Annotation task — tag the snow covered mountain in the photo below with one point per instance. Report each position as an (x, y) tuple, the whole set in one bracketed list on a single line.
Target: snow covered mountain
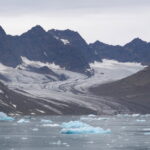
[(50, 72), (39, 45)]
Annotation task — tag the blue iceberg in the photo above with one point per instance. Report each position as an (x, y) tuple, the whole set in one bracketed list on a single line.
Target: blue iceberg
[(4, 117), (77, 127)]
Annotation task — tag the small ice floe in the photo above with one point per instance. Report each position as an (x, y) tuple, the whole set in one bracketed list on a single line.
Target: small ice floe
[(46, 121), (23, 121), (146, 133), (140, 120), (59, 142), (91, 118), (77, 127), (4, 117), (123, 127), (35, 129), (91, 115), (74, 124), (146, 129), (24, 138), (50, 125), (123, 115), (90, 142), (135, 115)]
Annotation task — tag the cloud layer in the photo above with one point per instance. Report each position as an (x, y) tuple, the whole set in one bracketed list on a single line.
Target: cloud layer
[(111, 21)]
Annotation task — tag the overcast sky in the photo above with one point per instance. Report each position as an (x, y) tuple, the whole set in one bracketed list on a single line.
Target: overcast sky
[(110, 21)]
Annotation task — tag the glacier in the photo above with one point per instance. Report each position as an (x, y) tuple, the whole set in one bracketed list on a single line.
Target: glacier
[(72, 90)]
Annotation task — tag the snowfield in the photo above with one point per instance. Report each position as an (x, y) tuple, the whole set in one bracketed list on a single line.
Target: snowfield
[(44, 81)]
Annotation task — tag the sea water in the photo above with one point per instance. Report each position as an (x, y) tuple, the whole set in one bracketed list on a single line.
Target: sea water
[(120, 132)]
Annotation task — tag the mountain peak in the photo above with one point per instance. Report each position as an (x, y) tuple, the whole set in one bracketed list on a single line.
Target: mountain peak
[(99, 43), (136, 42), (2, 32), (36, 30), (66, 32)]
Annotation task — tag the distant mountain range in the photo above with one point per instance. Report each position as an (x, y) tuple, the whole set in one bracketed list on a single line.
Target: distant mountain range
[(49, 72), (134, 51), (67, 49)]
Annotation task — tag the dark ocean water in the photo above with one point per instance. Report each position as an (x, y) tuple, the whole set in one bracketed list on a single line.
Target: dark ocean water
[(128, 132)]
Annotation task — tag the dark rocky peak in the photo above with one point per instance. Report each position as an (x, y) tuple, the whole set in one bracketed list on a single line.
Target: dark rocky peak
[(66, 32), (35, 31), (72, 36), (2, 32), (98, 44), (137, 42)]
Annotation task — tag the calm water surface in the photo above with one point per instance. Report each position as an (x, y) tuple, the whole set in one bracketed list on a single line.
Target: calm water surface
[(127, 133)]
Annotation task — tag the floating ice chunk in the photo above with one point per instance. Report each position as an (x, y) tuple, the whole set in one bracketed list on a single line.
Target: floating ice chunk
[(123, 115), (60, 143), (85, 130), (4, 117), (146, 129), (35, 129), (77, 127), (46, 121), (135, 115), (140, 120), (147, 133), (24, 138), (74, 124), (90, 118), (50, 125), (102, 118), (23, 121), (91, 115)]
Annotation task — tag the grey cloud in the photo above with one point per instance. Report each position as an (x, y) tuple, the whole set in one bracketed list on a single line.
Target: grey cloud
[(21, 7)]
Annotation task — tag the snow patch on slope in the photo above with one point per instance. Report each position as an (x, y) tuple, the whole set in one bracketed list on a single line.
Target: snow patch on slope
[(65, 41), (26, 62), (112, 64)]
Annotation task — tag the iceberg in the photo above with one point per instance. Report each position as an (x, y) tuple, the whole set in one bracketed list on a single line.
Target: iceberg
[(77, 127), (85, 130), (4, 117), (74, 124), (23, 121)]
